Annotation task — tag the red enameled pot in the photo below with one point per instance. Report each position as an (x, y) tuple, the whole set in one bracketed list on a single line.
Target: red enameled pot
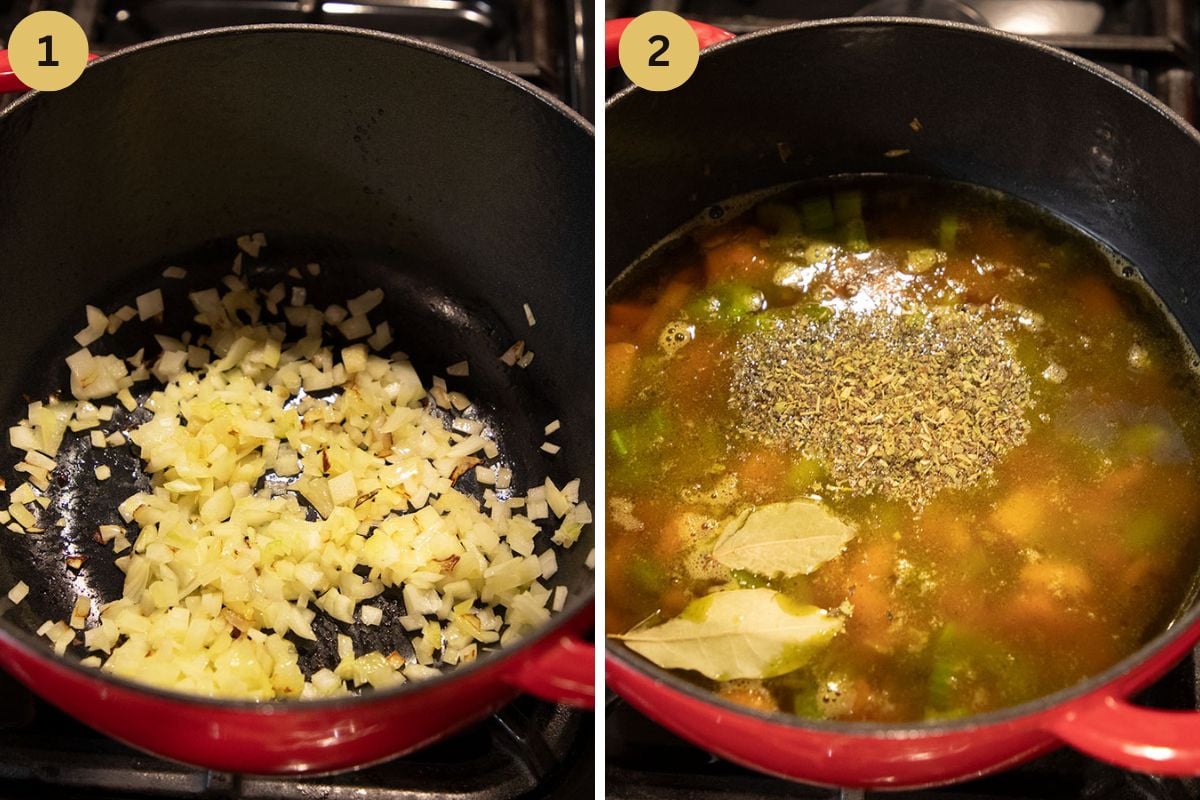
[(837, 97), (460, 190)]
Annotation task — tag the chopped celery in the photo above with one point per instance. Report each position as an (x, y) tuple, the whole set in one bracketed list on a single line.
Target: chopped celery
[(649, 577), (729, 303), (847, 206), (748, 580), (854, 234), (1144, 440), (616, 441), (816, 312), (1146, 531), (923, 260), (779, 219), (818, 214), (968, 668), (947, 231)]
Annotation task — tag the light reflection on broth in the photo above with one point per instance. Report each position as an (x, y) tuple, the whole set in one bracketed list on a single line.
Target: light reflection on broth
[(987, 568)]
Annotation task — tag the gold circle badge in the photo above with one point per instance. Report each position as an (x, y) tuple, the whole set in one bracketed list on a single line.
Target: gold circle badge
[(659, 50), (48, 51)]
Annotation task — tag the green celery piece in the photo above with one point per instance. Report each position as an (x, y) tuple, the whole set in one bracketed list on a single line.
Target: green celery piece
[(818, 214), (854, 234), (947, 232), (847, 206), (781, 220), (616, 440)]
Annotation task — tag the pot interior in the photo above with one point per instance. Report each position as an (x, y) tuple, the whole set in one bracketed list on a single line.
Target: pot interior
[(461, 193)]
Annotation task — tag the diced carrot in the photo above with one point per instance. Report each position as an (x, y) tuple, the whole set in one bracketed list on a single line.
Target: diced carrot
[(666, 307), (740, 257), (1061, 579), (751, 694), (1098, 299), (761, 472), (627, 315), (1020, 515), (619, 361)]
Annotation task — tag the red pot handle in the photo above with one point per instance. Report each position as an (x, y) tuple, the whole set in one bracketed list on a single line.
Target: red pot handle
[(9, 81), (1136, 738), (562, 671), (613, 28)]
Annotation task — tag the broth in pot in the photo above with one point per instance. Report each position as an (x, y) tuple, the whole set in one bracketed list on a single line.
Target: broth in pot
[(894, 450)]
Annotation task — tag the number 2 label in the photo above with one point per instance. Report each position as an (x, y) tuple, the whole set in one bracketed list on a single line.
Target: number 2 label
[(663, 43)]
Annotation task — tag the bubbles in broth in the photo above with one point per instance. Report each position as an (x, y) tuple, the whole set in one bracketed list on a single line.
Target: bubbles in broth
[(894, 450)]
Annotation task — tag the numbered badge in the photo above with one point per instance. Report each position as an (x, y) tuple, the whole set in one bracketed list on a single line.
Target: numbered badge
[(659, 51), (48, 51)]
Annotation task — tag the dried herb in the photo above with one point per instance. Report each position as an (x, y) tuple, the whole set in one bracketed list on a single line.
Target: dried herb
[(905, 405)]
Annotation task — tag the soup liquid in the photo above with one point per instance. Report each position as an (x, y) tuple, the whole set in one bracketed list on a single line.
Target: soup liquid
[(1071, 551)]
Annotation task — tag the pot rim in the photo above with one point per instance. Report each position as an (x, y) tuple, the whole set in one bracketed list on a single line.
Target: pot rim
[(963, 28), (1185, 625), (537, 92), (564, 622)]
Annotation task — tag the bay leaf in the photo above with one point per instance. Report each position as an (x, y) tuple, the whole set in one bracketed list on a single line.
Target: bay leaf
[(741, 633), (791, 538)]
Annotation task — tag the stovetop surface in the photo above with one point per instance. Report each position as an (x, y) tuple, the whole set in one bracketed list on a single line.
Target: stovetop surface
[(541, 41), (647, 762), (529, 750), (1152, 43)]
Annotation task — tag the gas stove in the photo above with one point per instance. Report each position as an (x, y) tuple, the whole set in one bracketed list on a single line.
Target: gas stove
[(529, 750), (1152, 43), (541, 42), (647, 762)]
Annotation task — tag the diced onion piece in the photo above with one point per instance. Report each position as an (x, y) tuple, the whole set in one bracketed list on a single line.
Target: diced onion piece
[(525, 360), (552, 427), (550, 447), (371, 615), (150, 304), (459, 369), (97, 325), (18, 592), (356, 327), (513, 353), (365, 303), (529, 315), (381, 338), (252, 243), (175, 273), (560, 598), (103, 472)]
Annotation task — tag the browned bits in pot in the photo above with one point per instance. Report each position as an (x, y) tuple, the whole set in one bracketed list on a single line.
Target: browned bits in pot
[(906, 405)]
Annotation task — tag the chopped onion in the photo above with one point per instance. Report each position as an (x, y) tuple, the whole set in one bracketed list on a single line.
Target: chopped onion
[(150, 304), (19, 592), (227, 560), (529, 315)]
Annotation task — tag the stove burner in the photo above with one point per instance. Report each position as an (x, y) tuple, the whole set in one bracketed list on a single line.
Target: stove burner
[(529, 749)]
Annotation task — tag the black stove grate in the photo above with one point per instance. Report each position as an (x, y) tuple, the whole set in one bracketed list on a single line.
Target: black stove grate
[(647, 762), (541, 42), (529, 750)]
